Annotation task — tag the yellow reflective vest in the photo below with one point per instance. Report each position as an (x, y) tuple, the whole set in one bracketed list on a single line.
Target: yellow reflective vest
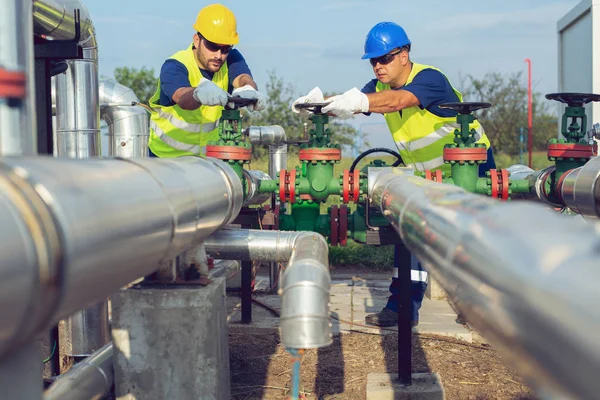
[(421, 135), (175, 132)]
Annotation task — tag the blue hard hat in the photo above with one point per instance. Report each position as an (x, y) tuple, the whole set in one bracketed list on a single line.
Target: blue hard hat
[(383, 38)]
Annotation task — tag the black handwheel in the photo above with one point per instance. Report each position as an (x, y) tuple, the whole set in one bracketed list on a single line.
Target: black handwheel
[(574, 99), (466, 107), (239, 102), (315, 108)]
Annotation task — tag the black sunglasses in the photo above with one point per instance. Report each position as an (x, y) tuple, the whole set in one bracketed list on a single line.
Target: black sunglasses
[(384, 60), (225, 49)]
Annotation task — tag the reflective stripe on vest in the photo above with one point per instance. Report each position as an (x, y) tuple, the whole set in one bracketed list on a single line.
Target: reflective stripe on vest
[(175, 132), (181, 124), (190, 148), (421, 135)]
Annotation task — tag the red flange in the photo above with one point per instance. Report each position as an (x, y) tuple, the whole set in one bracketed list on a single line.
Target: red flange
[(13, 85), (350, 186), (572, 150), (334, 226), (343, 229), (468, 154), (500, 184), (287, 185), (319, 154), (436, 176), (229, 153), (494, 178)]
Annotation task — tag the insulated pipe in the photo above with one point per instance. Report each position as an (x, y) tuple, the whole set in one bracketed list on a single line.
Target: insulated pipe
[(127, 125), (525, 278), (90, 379), (253, 179), (305, 284), (17, 80), (580, 189), (77, 97), (72, 232)]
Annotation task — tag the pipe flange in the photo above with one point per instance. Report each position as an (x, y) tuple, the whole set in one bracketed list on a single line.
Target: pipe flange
[(476, 154), (317, 154), (572, 150), (435, 176), (287, 185), (351, 186)]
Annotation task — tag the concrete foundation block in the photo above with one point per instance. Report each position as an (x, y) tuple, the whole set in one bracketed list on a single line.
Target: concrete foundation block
[(435, 291), (425, 386), (171, 343)]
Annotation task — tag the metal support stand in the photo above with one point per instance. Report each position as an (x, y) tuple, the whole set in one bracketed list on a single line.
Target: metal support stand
[(246, 292), (404, 316)]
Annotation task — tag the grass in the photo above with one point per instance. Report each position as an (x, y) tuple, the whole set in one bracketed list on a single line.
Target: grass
[(362, 256)]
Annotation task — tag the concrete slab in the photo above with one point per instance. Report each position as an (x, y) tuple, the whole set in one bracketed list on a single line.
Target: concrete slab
[(425, 386)]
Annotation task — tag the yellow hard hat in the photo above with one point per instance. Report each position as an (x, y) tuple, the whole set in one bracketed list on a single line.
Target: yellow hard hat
[(217, 24)]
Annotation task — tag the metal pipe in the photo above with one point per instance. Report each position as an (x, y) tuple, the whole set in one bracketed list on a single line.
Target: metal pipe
[(77, 96), (69, 240), (523, 277), (253, 178), (580, 189), (90, 379), (275, 137), (17, 80), (305, 283), (127, 124)]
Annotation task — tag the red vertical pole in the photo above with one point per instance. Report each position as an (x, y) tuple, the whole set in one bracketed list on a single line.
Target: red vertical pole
[(529, 114)]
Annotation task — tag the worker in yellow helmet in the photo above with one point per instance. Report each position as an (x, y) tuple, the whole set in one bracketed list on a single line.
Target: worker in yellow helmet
[(196, 83), (408, 94)]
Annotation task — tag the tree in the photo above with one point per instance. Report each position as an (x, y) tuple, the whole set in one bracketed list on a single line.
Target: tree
[(278, 111), (142, 81), (502, 121)]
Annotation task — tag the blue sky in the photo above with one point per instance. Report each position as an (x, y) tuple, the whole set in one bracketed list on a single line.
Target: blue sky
[(319, 43)]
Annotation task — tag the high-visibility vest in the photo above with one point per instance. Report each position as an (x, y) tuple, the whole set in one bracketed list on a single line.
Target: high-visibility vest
[(175, 132), (421, 135)]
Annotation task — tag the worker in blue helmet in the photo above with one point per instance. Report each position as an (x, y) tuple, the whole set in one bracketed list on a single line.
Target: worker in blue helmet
[(408, 94)]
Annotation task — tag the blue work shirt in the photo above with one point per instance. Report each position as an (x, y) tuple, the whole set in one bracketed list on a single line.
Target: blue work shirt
[(174, 75)]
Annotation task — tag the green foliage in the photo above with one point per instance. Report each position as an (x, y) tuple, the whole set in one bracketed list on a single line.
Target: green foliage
[(278, 112), (359, 255), (502, 121), (142, 81)]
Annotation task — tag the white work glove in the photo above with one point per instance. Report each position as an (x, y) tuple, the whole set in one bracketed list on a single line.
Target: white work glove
[(209, 94), (314, 96), (346, 105), (248, 92)]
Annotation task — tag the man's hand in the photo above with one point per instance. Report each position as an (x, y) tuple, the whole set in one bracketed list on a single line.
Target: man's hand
[(346, 105), (209, 94), (314, 96), (248, 92)]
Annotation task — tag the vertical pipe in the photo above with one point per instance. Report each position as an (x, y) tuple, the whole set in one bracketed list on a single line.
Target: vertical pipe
[(17, 79), (277, 162), (21, 374), (529, 114), (404, 315)]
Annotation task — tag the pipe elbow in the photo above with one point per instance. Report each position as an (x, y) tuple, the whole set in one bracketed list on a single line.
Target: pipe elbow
[(305, 289)]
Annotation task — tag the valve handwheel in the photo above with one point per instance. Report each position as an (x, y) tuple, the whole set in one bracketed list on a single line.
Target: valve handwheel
[(465, 107), (315, 108), (573, 99)]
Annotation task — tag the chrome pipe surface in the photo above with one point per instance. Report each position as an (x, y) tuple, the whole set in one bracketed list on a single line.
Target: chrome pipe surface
[(522, 276), (74, 231), (272, 134), (127, 124), (17, 112), (305, 283), (90, 379), (253, 178), (580, 189)]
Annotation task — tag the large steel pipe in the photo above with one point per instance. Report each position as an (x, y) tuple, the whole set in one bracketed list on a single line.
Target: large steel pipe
[(580, 189), (74, 231), (305, 284), (525, 278), (90, 379), (127, 123), (17, 80)]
